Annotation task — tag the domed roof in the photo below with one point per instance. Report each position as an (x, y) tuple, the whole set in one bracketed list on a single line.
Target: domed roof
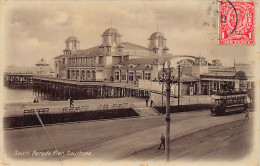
[(42, 62), (120, 46), (241, 75), (72, 38), (165, 48), (111, 31), (157, 35), (101, 46)]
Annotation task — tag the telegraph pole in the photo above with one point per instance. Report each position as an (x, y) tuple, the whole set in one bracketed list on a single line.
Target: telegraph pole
[(168, 82), (179, 79)]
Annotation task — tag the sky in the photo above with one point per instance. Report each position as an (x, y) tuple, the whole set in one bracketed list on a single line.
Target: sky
[(32, 30)]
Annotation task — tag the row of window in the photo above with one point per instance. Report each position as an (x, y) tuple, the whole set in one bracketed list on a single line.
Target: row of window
[(159, 42), (108, 49), (147, 76), (88, 61), (113, 37), (77, 74), (222, 102)]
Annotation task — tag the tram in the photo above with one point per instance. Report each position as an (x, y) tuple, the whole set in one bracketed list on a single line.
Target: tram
[(223, 102)]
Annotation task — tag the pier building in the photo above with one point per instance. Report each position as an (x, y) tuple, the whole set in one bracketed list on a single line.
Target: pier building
[(116, 68), (43, 68), (96, 63)]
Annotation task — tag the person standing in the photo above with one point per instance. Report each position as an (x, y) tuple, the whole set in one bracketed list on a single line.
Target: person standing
[(146, 101), (151, 103), (71, 102), (151, 100), (246, 115), (162, 142)]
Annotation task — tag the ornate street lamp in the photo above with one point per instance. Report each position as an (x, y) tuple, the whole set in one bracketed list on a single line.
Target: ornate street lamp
[(163, 83), (168, 80), (162, 62)]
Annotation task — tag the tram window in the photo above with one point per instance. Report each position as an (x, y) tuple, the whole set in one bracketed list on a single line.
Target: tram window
[(223, 102), (215, 102), (228, 102)]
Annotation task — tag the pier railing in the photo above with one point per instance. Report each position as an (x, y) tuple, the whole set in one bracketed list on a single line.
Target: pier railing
[(78, 108), (186, 101)]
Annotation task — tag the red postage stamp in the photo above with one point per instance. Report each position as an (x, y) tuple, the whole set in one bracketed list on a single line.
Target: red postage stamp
[(236, 23)]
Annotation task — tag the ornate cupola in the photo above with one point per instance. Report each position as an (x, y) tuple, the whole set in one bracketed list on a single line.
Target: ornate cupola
[(157, 42), (111, 37), (72, 44)]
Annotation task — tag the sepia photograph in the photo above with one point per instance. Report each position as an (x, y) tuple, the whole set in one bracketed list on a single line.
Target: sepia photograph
[(129, 82)]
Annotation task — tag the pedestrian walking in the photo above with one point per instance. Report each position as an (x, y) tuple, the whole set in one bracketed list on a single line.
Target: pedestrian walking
[(71, 102), (151, 103), (36, 100), (162, 142), (246, 115), (146, 102)]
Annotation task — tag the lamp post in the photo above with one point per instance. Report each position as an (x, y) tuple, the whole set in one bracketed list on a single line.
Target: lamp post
[(168, 82), (162, 83), (179, 79)]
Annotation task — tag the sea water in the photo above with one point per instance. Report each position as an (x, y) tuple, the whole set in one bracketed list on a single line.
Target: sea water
[(17, 95)]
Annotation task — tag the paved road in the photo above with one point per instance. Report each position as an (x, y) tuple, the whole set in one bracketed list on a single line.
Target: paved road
[(110, 139), (227, 142)]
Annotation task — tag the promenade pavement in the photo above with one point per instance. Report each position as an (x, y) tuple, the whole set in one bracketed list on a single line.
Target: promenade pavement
[(16, 109)]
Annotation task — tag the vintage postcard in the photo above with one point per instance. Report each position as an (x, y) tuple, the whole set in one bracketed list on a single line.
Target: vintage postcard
[(129, 82)]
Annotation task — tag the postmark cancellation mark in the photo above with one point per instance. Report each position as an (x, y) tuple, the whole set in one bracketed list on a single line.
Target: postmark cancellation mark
[(236, 23)]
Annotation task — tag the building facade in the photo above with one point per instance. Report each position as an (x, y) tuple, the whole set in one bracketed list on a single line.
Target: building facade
[(43, 68), (128, 63), (230, 78), (96, 63)]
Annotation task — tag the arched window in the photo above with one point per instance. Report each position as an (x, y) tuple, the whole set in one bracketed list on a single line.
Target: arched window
[(68, 74), (93, 75), (83, 75), (73, 74), (131, 76), (117, 75), (77, 74), (88, 75)]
